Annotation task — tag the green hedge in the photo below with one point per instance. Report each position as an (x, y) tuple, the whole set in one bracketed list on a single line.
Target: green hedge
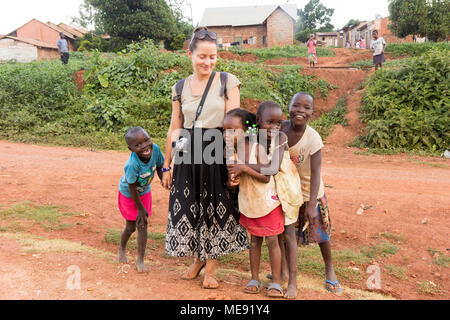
[(408, 107)]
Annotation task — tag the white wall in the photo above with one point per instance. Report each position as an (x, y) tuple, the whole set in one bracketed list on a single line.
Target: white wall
[(13, 50)]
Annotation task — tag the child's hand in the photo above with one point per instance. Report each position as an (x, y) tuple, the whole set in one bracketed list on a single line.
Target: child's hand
[(233, 182), (141, 220), (236, 169), (311, 212)]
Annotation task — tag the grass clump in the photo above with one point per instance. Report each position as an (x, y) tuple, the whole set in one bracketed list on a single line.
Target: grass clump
[(414, 49), (397, 272), (324, 124), (384, 249), (46, 216), (291, 51)]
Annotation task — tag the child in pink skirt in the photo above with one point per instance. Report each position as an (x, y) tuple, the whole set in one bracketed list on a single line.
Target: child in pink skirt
[(261, 212), (135, 197)]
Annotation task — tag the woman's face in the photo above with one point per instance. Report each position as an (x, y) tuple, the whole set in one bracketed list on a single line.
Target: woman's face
[(204, 57)]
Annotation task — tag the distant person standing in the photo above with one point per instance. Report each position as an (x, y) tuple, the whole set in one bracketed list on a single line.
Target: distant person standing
[(378, 46), (348, 44), (363, 43), (63, 48), (311, 44)]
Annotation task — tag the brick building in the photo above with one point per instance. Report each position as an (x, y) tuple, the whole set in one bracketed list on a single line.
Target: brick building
[(36, 40), (364, 30), (252, 26)]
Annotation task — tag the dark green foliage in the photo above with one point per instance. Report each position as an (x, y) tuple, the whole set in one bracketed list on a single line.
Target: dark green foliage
[(422, 17), (324, 124), (408, 107), (314, 17), (90, 42), (40, 103)]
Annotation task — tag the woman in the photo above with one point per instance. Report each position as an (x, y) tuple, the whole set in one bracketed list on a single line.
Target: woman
[(203, 219)]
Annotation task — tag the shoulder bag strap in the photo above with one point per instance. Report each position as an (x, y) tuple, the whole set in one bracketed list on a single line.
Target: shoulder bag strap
[(200, 106)]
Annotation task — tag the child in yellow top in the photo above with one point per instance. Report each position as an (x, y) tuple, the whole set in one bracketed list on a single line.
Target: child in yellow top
[(305, 146), (287, 181), (259, 205)]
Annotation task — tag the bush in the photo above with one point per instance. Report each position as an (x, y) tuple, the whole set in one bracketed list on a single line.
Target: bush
[(407, 107), (40, 102), (414, 49)]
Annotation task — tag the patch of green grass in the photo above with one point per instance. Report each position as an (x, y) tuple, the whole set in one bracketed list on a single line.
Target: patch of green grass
[(396, 271), (384, 249), (431, 164), (46, 216), (390, 236), (362, 64), (428, 288), (291, 51), (324, 124), (442, 261)]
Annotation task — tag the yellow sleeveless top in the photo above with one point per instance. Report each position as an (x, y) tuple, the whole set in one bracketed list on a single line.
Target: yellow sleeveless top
[(288, 187), (256, 199)]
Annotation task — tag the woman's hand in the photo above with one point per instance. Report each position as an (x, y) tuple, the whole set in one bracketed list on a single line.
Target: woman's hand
[(167, 180)]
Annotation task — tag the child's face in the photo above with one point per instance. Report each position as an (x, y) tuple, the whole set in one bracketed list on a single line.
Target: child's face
[(234, 126), (142, 145), (271, 120), (301, 110), (375, 35)]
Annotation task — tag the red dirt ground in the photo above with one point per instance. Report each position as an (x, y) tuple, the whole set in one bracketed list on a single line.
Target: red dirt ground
[(403, 190)]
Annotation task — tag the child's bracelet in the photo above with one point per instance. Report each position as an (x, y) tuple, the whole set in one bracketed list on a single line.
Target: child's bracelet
[(166, 169)]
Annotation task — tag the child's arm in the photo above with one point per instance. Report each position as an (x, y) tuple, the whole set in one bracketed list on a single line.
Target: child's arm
[(160, 173), (273, 167), (316, 165), (141, 220), (242, 168)]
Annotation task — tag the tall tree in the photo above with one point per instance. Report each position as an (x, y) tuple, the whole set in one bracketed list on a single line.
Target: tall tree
[(131, 20), (312, 18), (407, 17), (429, 18)]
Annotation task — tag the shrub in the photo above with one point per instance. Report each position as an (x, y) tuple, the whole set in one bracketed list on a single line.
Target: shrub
[(407, 107), (414, 49)]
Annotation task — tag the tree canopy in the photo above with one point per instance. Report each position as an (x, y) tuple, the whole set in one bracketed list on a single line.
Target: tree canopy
[(314, 17), (429, 18), (131, 20)]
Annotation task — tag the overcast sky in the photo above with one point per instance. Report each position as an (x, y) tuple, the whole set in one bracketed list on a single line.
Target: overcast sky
[(14, 13)]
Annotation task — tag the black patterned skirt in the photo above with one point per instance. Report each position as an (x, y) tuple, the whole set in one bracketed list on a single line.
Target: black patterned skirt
[(203, 218)]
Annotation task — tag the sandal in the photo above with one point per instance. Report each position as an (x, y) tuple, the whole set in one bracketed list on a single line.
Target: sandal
[(253, 284), (210, 286), (184, 276), (333, 287), (275, 287)]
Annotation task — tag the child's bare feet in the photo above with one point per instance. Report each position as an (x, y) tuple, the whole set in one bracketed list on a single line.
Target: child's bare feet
[(123, 255), (140, 267), (291, 292)]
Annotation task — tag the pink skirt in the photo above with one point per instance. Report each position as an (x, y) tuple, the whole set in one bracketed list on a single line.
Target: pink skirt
[(128, 208), (269, 225)]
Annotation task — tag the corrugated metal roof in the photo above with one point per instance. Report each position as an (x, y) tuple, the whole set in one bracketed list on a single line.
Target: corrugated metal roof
[(70, 29), (243, 16), (34, 42), (59, 29)]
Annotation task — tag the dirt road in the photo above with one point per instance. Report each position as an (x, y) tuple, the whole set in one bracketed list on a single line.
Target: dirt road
[(401, 192), (406, 196)]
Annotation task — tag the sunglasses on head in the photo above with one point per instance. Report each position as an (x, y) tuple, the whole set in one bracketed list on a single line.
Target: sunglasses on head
[(201, 34)]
